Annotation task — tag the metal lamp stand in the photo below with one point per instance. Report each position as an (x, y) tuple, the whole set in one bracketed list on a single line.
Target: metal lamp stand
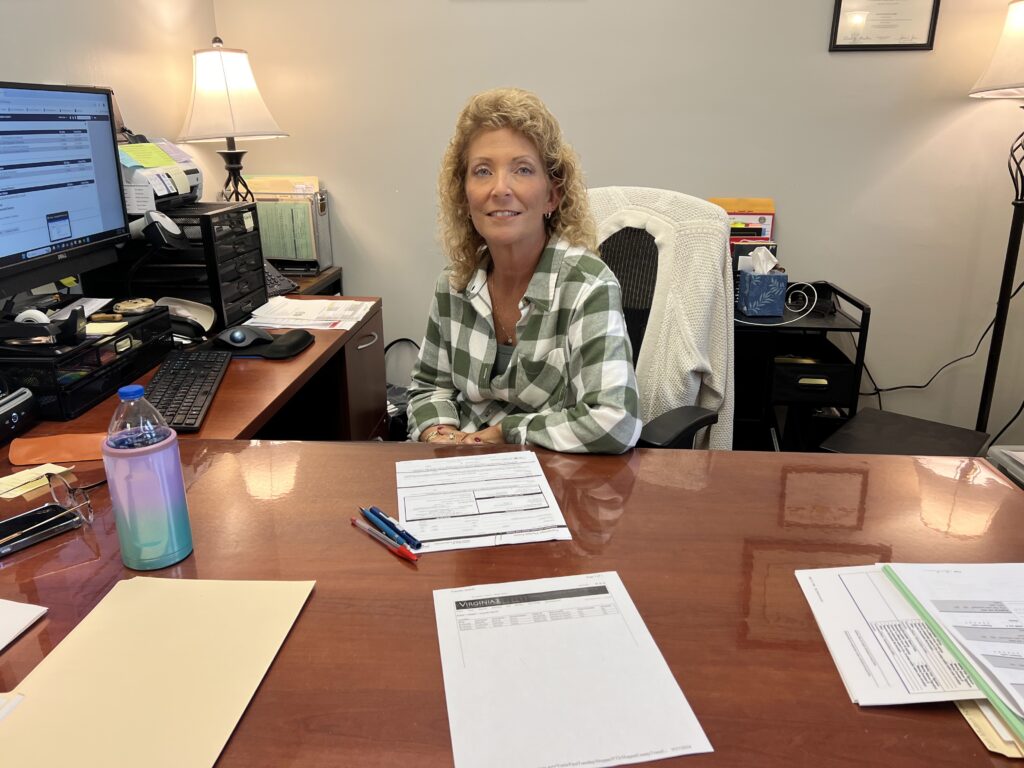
[(235, 188), (1013, 164)]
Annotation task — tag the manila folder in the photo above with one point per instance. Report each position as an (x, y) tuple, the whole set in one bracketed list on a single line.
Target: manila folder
[(158, 674)]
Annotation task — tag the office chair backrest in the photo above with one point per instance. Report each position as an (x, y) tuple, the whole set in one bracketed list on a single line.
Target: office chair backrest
[(670, 254), (632, 254)]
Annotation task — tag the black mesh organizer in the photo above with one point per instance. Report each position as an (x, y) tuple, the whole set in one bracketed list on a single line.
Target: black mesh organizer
[(222, 265), (69, 380)]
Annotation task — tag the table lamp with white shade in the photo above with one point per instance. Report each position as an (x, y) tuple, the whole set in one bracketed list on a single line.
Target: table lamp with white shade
[(226, 104)]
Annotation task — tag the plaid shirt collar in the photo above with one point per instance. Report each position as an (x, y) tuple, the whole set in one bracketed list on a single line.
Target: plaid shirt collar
[(541, 290)]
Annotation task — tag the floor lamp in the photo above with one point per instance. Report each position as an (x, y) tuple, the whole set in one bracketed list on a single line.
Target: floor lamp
[(1004, 79), (226, 104)]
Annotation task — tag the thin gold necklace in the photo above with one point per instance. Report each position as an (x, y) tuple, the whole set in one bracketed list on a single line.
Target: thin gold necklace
[(499, 327)]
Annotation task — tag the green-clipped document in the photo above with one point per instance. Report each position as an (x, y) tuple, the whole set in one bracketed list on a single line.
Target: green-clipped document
[(977, 611)]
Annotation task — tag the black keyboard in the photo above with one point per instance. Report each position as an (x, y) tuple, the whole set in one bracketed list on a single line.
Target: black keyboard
[(184, 386)]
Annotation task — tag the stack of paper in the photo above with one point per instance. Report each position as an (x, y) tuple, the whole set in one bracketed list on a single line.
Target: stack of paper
[(903, 633), (557, 672), (478, 501), (978, 613), (15, 618), (328, 314)]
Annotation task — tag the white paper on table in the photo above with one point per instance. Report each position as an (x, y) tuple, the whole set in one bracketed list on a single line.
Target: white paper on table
[(15, 618), (557, 672), (280, 322), (89, 306), (478, 501), (1017, 456), (281, 312), (981, 608), (884, 651)]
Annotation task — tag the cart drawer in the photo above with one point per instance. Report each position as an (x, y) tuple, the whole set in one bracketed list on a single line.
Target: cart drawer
[(819, 375)]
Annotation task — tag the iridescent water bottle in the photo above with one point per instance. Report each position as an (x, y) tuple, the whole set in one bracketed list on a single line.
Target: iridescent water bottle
[(147, 489)]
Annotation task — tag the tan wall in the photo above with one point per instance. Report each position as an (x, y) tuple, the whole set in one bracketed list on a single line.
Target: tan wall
[(888, 180)]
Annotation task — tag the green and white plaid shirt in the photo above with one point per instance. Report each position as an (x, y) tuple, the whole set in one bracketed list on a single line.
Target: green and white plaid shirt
[(570, 385)]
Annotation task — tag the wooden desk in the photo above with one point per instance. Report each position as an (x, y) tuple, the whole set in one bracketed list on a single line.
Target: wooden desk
[(706, 544), (342, 373), (327, 283)]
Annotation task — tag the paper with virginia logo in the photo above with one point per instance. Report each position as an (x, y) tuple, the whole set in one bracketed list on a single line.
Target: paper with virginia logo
[(557, 673)]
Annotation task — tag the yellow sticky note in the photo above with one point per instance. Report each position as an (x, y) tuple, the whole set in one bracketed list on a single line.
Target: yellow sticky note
[(103, 329), (27, 480), (149, 155)]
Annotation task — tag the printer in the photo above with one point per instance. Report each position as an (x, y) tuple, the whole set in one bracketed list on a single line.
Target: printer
[(158, 175)]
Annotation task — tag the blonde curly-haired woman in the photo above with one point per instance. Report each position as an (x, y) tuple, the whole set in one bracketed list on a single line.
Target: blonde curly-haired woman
[(525, 341)]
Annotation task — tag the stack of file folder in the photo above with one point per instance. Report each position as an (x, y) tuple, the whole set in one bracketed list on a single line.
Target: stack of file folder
[(909, 633)]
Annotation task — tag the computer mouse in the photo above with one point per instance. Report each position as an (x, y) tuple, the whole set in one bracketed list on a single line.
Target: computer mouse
[(242, 336)]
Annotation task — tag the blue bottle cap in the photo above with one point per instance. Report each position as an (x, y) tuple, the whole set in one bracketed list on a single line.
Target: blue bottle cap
[(131, 392)]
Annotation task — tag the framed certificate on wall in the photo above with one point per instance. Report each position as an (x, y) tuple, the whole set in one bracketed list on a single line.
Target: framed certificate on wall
[(884, 25)]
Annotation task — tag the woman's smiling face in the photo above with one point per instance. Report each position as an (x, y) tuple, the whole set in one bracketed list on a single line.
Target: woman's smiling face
[(508, 189)]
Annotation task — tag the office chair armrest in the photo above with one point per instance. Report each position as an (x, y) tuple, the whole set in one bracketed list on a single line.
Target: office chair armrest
[(676, 428)]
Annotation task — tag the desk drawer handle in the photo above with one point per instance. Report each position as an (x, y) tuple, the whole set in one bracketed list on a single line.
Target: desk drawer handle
[(370, 343), (812, 382)]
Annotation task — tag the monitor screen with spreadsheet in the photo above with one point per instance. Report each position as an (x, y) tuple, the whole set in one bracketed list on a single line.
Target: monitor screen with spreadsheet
[(61, 204)]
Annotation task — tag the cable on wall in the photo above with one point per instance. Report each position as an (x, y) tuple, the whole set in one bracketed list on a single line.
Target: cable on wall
[(977, 346)]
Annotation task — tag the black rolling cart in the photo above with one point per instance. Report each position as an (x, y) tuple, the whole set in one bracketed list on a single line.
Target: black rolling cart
[(794, 384)]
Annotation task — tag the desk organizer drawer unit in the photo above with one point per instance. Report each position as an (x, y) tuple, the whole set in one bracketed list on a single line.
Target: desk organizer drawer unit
[(221, 267), (817, 373), (226, 236), (67, 381)]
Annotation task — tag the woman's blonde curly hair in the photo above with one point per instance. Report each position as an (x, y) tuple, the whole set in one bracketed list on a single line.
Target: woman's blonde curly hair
[(526, 114)]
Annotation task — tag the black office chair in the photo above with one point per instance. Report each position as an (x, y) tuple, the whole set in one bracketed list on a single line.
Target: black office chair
[(399, 359), (670, 254)]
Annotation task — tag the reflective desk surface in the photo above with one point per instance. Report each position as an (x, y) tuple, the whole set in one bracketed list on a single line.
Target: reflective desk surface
[(706, 544)]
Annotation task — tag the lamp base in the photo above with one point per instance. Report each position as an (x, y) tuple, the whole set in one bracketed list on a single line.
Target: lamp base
[(235, 188)]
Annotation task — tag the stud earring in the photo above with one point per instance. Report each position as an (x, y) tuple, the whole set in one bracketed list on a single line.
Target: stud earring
[(547, 216)]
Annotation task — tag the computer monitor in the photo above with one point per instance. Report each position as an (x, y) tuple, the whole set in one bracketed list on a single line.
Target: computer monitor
[(61, 204)]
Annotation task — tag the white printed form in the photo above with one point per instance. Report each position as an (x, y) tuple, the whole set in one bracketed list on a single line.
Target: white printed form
[(478, 501), (981, 608), (557, 673), (884, 651)]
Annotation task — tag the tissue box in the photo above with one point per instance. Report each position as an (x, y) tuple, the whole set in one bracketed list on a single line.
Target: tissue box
[(762, 295)]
